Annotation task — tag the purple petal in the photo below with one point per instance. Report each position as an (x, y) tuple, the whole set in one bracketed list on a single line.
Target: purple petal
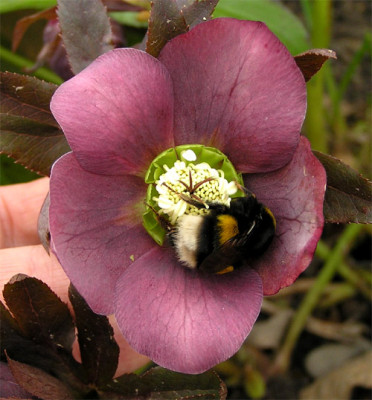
[(237, 88), (117, 114), (295, 195), (96, 228), (181, 319)]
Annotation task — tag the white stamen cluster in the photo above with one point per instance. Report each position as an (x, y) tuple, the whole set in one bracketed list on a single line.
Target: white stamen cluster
[(198, 182)]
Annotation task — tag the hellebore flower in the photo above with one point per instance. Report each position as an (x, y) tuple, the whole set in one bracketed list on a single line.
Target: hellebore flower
[(226, 84)]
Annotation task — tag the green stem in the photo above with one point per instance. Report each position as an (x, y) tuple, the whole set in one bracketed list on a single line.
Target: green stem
[(345, 271), (21, 62), (337, 119), (320, 36), (307, 12), (313, 295)]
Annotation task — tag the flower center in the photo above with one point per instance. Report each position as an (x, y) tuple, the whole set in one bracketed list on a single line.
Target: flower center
[(183, 181)]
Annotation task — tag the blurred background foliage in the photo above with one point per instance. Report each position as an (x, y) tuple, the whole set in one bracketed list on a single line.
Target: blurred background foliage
[(310, 338)]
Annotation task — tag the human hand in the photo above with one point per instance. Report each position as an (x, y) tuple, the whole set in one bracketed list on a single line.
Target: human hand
[(21, 252)]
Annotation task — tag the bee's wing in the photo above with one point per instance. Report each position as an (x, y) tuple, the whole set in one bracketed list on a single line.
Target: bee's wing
[(226, 255)]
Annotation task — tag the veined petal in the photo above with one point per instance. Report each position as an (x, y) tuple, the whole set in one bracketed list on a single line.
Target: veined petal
[(181, 319), (117, 114), (295, 195), (237, 88), (96, 228)]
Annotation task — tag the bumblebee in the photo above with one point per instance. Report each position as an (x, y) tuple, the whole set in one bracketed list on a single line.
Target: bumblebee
[(221, 240)]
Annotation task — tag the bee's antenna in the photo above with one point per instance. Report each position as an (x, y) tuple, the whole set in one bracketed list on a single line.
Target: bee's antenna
[(246, 191), (162, 221)]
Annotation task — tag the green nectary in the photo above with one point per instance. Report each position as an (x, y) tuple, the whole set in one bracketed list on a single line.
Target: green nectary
[(212, 156)]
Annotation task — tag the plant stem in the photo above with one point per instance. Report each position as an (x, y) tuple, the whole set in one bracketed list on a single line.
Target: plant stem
[(21, 62), (345, 271), (313, 295), (320, 36)]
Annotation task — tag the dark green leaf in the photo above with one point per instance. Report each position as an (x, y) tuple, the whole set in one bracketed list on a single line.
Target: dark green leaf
[(161, 384), (98, 348), (279, 19), (169, 19), (40, 314), (86, 31), (38, 382), (311, 61), (29, 132), (348, 196)]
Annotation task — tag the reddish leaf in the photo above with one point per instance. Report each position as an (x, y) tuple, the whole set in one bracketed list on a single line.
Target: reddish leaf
[(9, 388), (349, 196), (40, 314), (38, 382), (24, 23), (29, 132), (86, 31), (311, 61), (98, 348), (169, 19)]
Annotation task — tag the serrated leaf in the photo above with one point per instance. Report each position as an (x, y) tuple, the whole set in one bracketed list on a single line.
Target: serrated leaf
[(20, 347), (40, 331), (29, 132), (40, 314), (348, 196), (86, 31), (169, 19), (279, 19), (312, 60), (161, 384), (38, 382), (98, 348)]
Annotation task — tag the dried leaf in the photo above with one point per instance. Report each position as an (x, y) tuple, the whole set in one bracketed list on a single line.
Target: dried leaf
[(86, 31), (311, 61), (339, 383), (29, 132), (268, 334), (348, 196), (324, 359)]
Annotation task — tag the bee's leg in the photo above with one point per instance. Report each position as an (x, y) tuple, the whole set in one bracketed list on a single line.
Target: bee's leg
[(192, 199), (166, 225)]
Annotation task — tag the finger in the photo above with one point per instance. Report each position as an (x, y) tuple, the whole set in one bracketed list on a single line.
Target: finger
[(19, 209), (35, 262)]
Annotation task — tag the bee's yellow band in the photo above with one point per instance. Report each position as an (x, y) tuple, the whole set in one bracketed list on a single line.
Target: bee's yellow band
[(230, 268), (228, 227)]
